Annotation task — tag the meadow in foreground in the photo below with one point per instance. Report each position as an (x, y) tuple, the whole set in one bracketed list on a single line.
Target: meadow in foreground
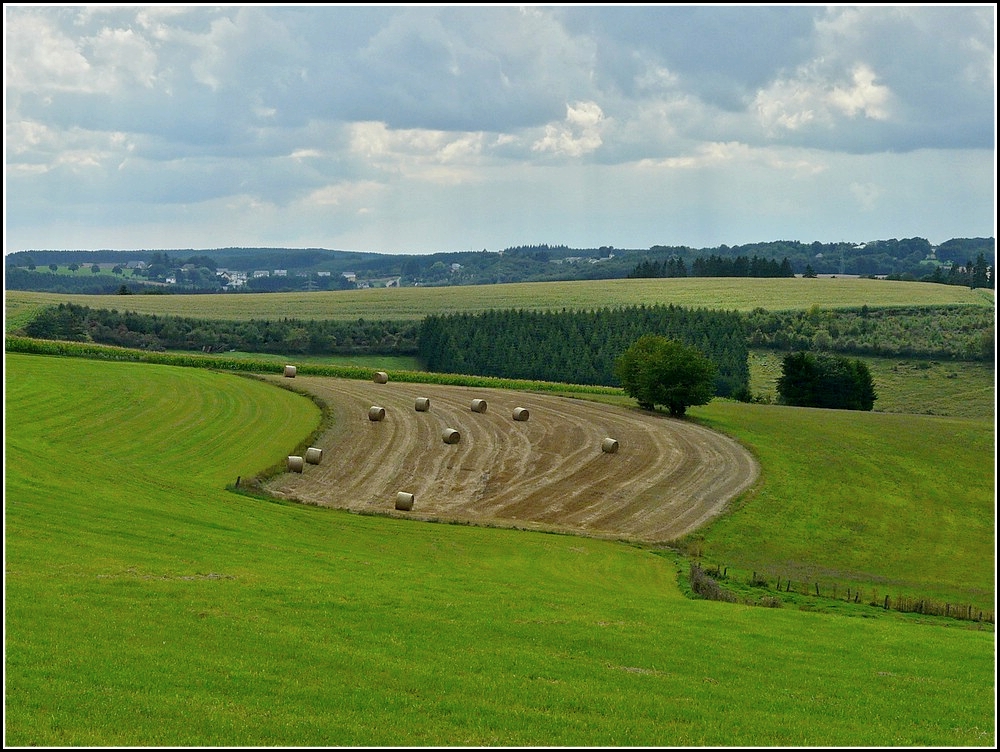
[(146, 605)]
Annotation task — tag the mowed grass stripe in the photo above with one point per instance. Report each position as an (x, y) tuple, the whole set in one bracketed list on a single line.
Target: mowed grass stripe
[(155, 609), (177, 410), (409, 303), (896, 504)]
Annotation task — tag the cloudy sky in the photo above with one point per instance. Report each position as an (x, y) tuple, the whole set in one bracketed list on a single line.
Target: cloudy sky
[(415, 129)]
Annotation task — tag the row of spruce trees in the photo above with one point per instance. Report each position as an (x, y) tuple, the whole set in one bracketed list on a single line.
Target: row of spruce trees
[(580, 347)]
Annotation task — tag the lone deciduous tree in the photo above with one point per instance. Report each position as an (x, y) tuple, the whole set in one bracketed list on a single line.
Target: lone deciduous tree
[(656, 370)]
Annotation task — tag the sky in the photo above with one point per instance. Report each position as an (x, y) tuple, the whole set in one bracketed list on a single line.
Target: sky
[(429, 128)]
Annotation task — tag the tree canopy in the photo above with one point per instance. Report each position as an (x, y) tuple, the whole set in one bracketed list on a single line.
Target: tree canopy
[(656, 370), (817, 380)]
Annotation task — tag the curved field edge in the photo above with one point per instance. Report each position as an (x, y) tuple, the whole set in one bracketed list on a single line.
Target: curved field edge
[(146, 606), (823, 511), (410, 303), (894, 505)]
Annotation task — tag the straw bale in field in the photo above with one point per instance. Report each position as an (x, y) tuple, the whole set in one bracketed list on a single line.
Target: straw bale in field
[(479, 406), (376, 413), (404, 501), (295, 463), (381, 377), (314, 455), (422, 404), (450, 436), (289, 372), (609, 445), (520, 413)]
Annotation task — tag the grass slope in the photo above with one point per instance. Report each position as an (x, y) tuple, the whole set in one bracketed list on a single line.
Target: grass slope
[(147, 606), (925, 387), (417, 302), (895, 504)]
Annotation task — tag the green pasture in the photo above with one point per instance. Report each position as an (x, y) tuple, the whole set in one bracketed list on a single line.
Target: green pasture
[(408, 303), (891, 504), (146, 605), (929, 387)]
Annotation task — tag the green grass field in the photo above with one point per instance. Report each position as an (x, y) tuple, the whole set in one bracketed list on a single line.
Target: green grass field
[(957, 389), (148, 606), (410, 303), (892, 504)]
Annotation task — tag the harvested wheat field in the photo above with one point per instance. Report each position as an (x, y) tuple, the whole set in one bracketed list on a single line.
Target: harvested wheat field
[(666, 477)]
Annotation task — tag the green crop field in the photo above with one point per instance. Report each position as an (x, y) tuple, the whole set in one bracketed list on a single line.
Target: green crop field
[(148, 606), (410, 303)]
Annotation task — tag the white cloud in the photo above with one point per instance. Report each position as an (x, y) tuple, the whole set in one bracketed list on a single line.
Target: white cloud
[(432, 155), (41, 58), (578, 134), (862, 95), (125, 57), (341, 193), (812, 97)]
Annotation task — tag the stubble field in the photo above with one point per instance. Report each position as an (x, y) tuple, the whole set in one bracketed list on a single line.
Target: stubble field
[(548, 472)]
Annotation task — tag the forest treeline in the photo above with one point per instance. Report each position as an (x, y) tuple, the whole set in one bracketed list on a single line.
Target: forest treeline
[(942, 332), (566, 346), (713, 266), (952, 262), (290, 336), (580, 347)]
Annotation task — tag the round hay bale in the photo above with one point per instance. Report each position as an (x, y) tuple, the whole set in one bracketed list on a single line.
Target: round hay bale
[(381, 377), (289, 372), (376, 413), (422, 404), (295, 463), (479, 406), (520, 413), (404, 501), (609, 445), (314, 455), (450, 436)]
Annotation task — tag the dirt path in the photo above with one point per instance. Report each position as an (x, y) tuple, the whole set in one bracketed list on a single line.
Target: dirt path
[(667, 478)]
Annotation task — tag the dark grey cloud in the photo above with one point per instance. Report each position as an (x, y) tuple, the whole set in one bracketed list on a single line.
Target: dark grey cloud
[(721, 53)]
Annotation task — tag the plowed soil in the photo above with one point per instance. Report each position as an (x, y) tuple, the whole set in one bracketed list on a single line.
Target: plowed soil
[(549, 472)]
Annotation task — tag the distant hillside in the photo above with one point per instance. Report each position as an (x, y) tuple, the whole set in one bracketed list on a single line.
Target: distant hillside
[(295, 269)]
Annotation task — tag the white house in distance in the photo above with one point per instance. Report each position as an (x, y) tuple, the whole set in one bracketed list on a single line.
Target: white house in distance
[(231, 279)]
